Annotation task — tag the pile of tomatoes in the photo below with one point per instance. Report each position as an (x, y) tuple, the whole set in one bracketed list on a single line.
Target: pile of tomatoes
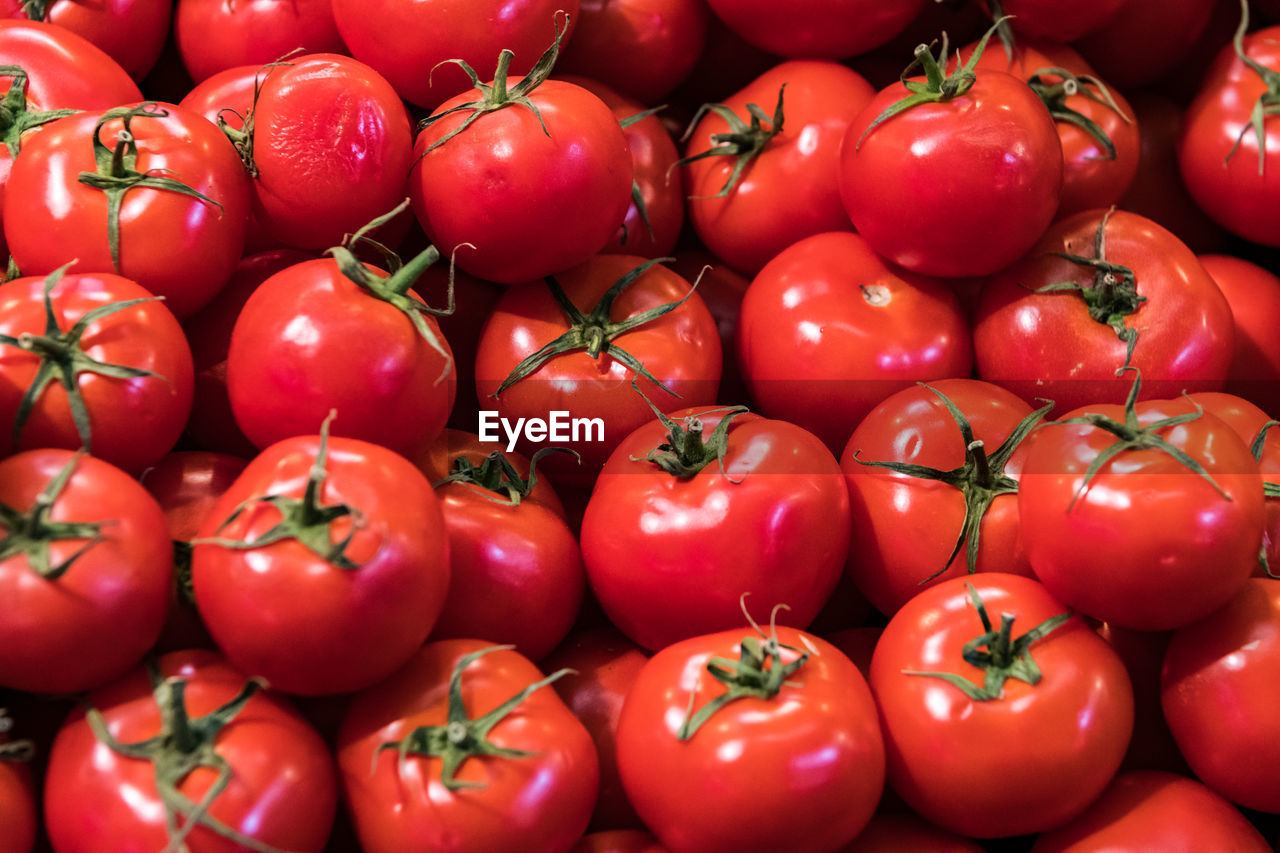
[(629, 426)]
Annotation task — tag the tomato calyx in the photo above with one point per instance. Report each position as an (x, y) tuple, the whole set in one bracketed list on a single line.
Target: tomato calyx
[(1270, 491), (496, 95), (15, 116), (394, 288), (242, 138), (305, 520), (497, 474), (685, 452), (17, 750), (998, 653), (1131, 436), (183, 746), (116, 174), (938, 87), (1268, 103), (463, 737), (981, 478), (758, 673), (1054, 96), (31, 533), (594, 333), (743, 141), (62, 359), (1112, 296), (36, 10)]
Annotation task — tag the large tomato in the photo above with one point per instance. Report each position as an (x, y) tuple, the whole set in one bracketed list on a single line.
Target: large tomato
[(1051, 19), (188, 754), (716, 723), (516, 769), (1145, 39), (213, 35), (132, 32), (833, 29), (982, 724), (1254, 296)]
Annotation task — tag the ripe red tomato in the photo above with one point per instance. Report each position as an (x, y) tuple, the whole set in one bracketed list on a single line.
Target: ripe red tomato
[(671, 547), (981, 755), (1253, 293), (1145, 40), (1152, 746), (830, 30), (132, 32), (785, 707), (350, 528), (484, 795), (213, 35), (203, 722), (18, 802), (1051, 20), (65, 69)]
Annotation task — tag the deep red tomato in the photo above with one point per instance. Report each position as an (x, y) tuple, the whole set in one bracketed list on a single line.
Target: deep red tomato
[(1145, 40), (958, 186), (712, 718), (1254, 296), (772, 182), (214, 35), (18, 801), (1052, 20), (482, 796), (976, 739), (1059, 328), (907, 833), (1173, 512), (737, 504), (1152, 810), (619, 841), (1152, 746), (132, 32), (829, 30), (353, 530), (130, 362), (1220, 684), (915, 531), (828, 329), (85, 560), (227, 95), (207, 723), (153, 193)]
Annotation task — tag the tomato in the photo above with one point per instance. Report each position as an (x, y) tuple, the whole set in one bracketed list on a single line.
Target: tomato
[(984, 145), (722, 291), (150, 192), (1254, 296), (1145, 40), (1059, 327), (1048, 19), (213, 35), (1172, 508), (525, 773), (988, 761), (829, 30), (1225, 668), (1152, 810), (828, 329), (348, 527), (65, 69), (619, 841), (784, 710), (680, 349), (132, 32), (917, 528), (755, 190), (1152, 746), (208, 726), (904, 833), (695, 510), (17, 793), (533, 191), (121, 351)]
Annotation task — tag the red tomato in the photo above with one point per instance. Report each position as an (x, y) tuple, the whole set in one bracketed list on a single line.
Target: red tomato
[(828, 329), (1254, 296), (765, 188), (913, 531), (132, 32), (829, 30), (722, 291), (1220, 684), (905, 833), (1055, 21), (484, 795), (1151, 810), (227, 95), (1145, 40), (671, 547), (18, 803), (1152, 746), (65, 69), (981, 755), (1169, 541), (785, 707), (279, 780), (130, 363), (213, 35), (353, 530), (619, 841), (1151, 294)]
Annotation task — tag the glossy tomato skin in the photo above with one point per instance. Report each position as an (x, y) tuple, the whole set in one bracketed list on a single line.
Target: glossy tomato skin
[(213, 35), (828, 329), (1156, 811), (282, 792), (65, 70), (1227, 667), (18, 808), (994, 768), (788, 192), (670, 558), (1045, 345), (133, 422), (187, 484), (529, 202), (831, 30), (1254, 296), (359, 624), (818, 734), (1166, 547), (992, 152), (543, 799), (132, 32), (905, 527), (360, 355)]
